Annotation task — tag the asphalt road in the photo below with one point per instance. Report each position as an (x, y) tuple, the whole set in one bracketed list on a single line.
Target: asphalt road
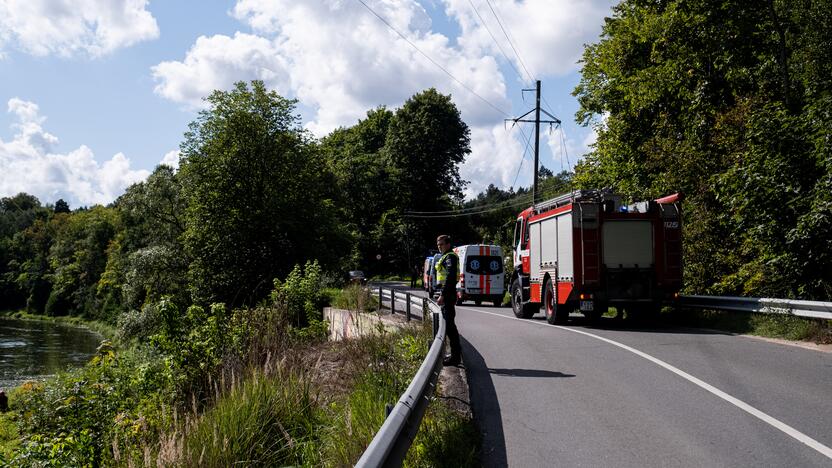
[(615, 395)]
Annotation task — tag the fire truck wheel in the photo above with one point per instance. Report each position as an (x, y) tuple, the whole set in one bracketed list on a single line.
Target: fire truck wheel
[(520, 310), (554, 314)]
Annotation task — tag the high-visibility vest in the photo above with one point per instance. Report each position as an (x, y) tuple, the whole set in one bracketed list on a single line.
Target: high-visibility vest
[(442, 272)]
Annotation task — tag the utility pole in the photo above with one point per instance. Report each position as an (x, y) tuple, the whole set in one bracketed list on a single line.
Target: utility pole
[(536, 121)]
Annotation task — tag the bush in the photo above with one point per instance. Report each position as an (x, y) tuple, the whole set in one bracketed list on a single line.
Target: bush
[(139, 324)]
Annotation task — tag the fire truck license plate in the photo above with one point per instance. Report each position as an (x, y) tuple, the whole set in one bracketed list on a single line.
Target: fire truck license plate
[(586, 306)]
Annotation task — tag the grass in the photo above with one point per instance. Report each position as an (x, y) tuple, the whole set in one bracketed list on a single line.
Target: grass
[(285, 414), (353, 297), (267, 420), (9, 436), (786, 327)]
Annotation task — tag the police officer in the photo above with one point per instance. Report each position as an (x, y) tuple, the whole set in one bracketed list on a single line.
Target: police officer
[(447, 273)]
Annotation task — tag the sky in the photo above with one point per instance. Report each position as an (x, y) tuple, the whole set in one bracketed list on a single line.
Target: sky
[(94, 94)]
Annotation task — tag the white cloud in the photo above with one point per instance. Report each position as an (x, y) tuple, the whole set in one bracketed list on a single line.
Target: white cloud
[(549, 34), (29, 164), (69, 27), (336, 57), (217, 62), (339, 60), (171, 159)]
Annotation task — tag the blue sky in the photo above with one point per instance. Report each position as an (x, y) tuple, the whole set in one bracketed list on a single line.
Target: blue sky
[(133, 93)]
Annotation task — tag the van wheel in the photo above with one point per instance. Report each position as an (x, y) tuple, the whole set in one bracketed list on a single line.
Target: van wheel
[(478, 303), (554, 314)]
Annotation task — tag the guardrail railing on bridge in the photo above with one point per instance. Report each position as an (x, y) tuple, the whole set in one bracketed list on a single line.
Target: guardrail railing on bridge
[(763, 305), (393, 439)]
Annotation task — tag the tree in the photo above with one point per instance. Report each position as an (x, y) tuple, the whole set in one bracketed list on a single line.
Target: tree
[(426, 144), (256, 189), (728, 103), (61, 206)]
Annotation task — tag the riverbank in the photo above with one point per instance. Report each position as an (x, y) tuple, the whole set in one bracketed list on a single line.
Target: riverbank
[(212, 392), (106, 330)]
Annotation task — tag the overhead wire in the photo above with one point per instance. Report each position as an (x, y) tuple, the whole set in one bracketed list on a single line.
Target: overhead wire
[(499, 47), (513, 203), (393, 28), (523, 159), (473, 208), (460, 82), (510, 42)]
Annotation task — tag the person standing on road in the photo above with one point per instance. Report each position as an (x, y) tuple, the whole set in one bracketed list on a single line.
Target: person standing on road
[(447, 272)]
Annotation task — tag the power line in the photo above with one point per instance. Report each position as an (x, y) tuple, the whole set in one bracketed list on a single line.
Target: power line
[(381, 18), (472, 208), (505, 33), (525, 151), (496, 207), (485, 26), (400, 34)]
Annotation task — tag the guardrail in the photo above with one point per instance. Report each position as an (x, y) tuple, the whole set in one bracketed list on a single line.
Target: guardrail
[(393, 439), (393, 297), (763, 305)]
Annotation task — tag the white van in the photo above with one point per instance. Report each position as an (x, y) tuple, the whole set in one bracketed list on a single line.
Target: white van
[(481, 274), (429, 281)]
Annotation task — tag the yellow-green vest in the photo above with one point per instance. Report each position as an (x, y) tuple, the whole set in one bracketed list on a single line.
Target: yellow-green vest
[(441, 271)]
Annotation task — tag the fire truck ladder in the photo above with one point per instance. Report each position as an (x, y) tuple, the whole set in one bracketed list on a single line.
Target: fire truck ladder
[(565, 199)]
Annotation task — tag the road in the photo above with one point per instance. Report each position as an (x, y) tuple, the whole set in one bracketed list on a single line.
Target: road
[(615, 395)]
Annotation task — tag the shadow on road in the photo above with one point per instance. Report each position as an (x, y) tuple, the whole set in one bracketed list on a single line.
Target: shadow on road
[(485, 407), (528, 373)]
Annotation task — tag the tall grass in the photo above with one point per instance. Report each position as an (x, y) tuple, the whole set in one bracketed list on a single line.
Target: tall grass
[(265, 420)]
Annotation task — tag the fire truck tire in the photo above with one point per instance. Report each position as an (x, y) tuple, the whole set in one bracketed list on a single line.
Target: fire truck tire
[(554, 314), (520, 310)]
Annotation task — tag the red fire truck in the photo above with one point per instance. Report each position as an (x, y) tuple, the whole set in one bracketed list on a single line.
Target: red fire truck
[(585, 250)]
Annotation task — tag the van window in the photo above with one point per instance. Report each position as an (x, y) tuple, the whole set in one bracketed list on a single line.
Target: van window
[(483, 265)]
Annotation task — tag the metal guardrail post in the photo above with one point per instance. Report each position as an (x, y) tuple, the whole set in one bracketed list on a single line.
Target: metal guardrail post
[(424, 309), (380, 304), (434, 317), (393, 302), (407, 310)]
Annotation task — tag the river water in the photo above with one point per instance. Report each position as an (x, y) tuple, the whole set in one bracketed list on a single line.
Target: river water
[(32, 350)]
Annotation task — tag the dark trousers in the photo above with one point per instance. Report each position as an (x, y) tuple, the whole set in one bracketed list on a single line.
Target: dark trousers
[(449, 313)]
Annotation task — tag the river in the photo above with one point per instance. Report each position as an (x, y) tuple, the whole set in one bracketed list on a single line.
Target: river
[(32, 350)]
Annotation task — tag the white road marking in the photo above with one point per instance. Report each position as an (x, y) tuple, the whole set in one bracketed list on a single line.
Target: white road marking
[(783, 427)]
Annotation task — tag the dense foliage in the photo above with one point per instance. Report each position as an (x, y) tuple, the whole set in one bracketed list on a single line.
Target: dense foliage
[(729, 102), (214, 273), (255, 196)]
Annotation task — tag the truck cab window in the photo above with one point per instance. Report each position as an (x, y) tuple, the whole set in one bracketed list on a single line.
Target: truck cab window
[(518, 227)]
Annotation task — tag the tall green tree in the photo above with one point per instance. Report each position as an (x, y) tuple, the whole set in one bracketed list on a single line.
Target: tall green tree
[(426, 144), (728, 102), (258, 196)]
